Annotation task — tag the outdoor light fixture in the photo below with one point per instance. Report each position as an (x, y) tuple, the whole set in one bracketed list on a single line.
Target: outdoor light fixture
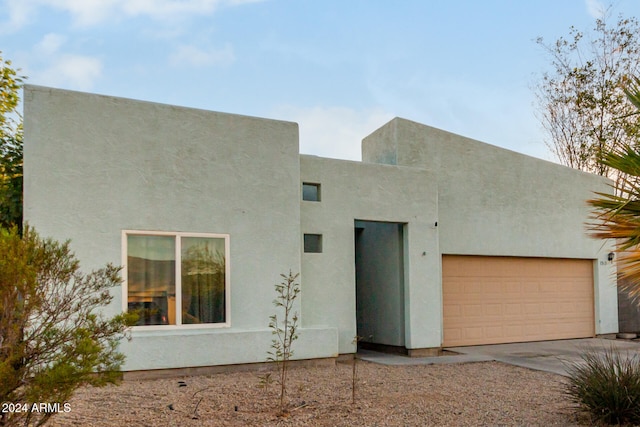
[(611, 256)]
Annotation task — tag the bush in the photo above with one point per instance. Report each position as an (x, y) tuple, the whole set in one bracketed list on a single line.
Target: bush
[(53, 338), (606, 384)]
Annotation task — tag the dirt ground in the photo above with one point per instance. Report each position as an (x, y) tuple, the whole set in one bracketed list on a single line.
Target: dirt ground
[(472, 394)]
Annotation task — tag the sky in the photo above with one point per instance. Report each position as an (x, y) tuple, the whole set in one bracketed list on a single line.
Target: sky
[(339, 68)]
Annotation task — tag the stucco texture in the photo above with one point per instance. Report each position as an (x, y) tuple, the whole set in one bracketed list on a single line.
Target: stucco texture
[(97, 165), (493, 201), (357, 191)]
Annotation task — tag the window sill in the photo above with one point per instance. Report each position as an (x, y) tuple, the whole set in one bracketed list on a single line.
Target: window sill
[(155, 329)]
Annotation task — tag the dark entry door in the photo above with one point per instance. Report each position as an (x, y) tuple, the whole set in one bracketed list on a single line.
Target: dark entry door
[(380, 282)]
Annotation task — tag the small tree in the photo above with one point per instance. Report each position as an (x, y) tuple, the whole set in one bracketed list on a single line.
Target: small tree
[(11, 180), (286, 331), (52, 337), (581, 100), (10, 146)]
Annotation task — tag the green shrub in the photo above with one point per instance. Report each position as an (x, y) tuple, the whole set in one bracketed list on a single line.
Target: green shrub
[(53, 337), (606, 384)]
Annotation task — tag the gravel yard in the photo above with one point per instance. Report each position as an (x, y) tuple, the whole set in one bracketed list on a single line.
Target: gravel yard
[(471, 394)]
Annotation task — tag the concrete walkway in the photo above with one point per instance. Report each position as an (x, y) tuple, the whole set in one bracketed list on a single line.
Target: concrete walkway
[(549, 356), (398, 360)]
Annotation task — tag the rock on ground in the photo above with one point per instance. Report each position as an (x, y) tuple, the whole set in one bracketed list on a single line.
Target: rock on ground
[(469, 394)]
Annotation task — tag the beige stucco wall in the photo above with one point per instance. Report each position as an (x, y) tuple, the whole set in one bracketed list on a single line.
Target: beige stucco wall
[(493, 201), (97, 165)]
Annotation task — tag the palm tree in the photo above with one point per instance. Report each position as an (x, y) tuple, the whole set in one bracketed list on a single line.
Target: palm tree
[(617, 216)]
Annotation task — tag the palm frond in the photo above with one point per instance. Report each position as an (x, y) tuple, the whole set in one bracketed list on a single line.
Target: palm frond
[(617, 216), (629, 272), (632, 90), (624, 159)]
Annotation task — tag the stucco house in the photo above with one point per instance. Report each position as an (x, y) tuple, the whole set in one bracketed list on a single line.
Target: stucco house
[(432, 240)]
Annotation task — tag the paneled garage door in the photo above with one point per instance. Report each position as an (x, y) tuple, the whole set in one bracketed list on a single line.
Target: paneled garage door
[(492, 300)]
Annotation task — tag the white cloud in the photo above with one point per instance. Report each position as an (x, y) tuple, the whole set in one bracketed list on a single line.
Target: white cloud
[(241, 2), (90, 12), (51, 66), (167, 8), (18, 13), (50, 44), (334, 132), (85, 13), (194, 56), (595, 8), (71, 71)]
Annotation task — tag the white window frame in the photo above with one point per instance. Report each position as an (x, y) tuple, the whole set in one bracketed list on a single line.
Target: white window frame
[(178, 279)]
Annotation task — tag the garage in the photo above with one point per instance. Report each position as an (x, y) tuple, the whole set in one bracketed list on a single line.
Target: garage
[(493, 300)]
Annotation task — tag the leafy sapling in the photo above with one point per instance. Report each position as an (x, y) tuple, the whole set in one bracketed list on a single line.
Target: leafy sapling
[(285, 330)]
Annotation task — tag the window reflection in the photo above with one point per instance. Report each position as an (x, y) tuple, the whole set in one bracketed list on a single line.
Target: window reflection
[(151, 279), (203, 280), (154, 280)]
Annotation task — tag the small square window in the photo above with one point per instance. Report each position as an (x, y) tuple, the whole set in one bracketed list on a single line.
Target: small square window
[(313, 243), (310, 192)]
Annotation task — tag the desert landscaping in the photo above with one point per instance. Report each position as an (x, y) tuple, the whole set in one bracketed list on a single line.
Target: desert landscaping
[(470, 394)]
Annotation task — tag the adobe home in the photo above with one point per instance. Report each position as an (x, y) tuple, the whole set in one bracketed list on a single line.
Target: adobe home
[(432, 240)]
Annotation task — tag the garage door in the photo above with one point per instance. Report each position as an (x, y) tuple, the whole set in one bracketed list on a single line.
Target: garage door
[(492, 300)]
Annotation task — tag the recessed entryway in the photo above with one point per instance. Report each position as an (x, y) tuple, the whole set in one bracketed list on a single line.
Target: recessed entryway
[(379, 259)]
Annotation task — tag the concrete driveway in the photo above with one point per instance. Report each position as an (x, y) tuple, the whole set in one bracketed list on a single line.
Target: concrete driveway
[(549, 356)]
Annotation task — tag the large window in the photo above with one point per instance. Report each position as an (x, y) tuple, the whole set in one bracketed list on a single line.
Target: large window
[(177, 278)]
